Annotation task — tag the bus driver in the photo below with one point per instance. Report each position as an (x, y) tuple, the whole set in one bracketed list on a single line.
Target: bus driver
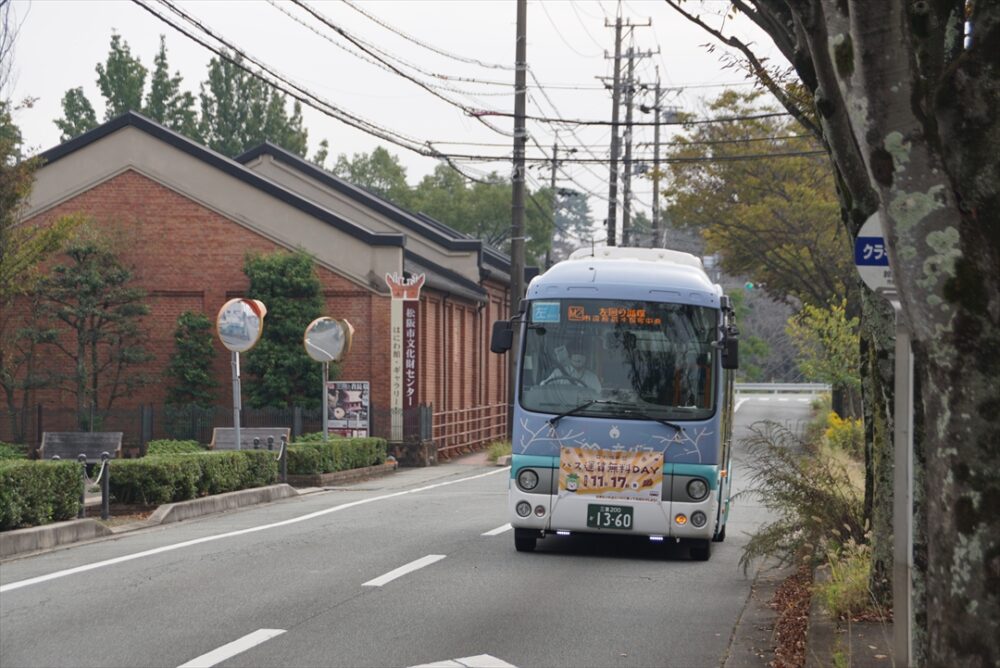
[(574, 372)]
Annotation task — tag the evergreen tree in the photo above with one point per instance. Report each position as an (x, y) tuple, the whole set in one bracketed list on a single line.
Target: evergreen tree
[(378, 172), (190, 368), (283, 374)]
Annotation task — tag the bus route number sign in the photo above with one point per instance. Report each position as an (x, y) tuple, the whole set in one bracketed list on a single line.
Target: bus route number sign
[(609, 517)]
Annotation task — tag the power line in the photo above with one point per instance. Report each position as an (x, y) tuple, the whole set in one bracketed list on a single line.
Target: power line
[(429, 47)]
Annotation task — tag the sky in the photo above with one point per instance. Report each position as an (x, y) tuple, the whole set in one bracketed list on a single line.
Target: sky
[(464, 50)]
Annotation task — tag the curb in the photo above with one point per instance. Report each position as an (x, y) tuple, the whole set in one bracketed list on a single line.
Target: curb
[(503, 460), (49, 536)]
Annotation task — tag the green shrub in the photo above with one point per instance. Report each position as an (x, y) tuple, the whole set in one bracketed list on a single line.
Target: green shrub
[(33, 493), (498, 450), (169, 478), (170, 447), (13, 451), (311, 456)]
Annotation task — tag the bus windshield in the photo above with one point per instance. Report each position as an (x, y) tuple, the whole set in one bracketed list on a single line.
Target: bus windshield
[(639, 360)]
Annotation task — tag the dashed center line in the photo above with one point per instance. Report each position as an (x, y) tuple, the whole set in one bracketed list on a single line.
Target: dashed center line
[(497, 531), (403, 570), (217, 656)]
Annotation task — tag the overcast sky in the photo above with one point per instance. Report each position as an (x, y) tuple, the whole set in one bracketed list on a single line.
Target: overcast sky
[(468, 41)]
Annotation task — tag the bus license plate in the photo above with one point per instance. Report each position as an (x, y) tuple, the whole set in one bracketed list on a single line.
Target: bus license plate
[(609, 517)]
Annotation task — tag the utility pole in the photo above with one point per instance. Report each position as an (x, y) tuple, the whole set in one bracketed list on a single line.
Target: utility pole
[(555, 200), (517, 206), (615, 142), (656, 163), (615, 100), (627, 178)]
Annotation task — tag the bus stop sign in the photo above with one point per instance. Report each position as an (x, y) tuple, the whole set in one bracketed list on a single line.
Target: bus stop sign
[(871, 256)]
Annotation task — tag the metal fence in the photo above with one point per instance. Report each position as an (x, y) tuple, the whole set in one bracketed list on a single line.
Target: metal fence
[(453, 432)]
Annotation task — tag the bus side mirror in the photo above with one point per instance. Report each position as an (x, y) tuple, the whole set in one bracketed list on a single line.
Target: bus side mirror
[(730, 353), (502, 338)]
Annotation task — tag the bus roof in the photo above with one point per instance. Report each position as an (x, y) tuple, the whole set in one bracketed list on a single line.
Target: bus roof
[(646, 274)]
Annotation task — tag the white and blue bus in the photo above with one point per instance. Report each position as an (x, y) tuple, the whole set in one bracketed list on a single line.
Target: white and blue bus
[(624, 400)]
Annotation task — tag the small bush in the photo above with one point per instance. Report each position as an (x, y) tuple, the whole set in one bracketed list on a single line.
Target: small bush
[(846, 434), (812, 494), (33, 493), (498, 450), (170, 447), (311, 456), (13, 451), (169, 478)]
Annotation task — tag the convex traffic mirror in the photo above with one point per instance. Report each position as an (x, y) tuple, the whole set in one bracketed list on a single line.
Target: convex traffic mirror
[(240, 323), (328, 340)]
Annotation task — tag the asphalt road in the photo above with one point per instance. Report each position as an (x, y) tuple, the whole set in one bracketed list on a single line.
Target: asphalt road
[(415, 568)]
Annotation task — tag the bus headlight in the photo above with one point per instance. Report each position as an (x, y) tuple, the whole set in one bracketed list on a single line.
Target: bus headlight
[(527, 480), (697, 489), (698, 519), (523, 508)]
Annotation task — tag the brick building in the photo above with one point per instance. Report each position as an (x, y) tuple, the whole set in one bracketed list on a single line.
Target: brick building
[(187, 216)]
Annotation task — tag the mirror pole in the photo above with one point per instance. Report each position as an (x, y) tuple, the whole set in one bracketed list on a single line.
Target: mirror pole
[(326, 402), (237, 402)]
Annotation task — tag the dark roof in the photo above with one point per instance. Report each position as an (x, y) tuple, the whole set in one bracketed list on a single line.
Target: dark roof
[(443, 279), (437, 232), (231, 167)]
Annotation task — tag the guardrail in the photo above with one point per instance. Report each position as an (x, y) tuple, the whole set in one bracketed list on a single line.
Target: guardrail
[(781, 388)]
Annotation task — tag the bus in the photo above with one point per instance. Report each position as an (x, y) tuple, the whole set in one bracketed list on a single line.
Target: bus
[(623, 411)]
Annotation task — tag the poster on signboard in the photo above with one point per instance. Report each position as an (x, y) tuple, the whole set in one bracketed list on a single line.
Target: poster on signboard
[(620, 475), (348, 408)]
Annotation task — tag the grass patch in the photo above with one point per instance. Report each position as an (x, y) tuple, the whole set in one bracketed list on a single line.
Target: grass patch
[(497, 450)]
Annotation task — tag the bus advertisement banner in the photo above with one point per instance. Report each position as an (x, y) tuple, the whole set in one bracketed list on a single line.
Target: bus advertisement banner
[(622, 475)]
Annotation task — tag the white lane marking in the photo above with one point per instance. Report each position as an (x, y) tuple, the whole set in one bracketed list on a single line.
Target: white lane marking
[(229, 650), (804, 401), (740, 403), (783, 399), (480, 661), (11, 586), (498, 530), (403, 570)]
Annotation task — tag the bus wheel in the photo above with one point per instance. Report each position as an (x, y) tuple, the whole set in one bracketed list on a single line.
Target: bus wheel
[(721, 536), (524, 540), (701, 550)]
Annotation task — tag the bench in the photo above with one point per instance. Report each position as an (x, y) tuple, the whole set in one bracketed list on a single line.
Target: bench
[(71, 444), (224, 438)]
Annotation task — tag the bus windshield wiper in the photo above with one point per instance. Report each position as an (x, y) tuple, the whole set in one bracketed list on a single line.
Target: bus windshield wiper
[(553, 421), (646, 416)]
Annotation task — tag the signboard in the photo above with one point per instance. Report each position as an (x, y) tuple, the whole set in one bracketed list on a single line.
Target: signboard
[(349, 403), (404, 291), (411, 353), (871, 256), (620, 475)]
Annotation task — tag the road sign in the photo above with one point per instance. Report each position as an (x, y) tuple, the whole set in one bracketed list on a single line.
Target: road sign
[(871, 256)]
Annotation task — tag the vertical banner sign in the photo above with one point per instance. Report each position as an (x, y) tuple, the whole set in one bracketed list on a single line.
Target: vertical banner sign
[(403, 290), (411, 359)]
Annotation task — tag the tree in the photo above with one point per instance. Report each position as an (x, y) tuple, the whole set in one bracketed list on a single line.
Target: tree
[(902, 101), (97, 314), (78, 114), (166, 103), (322, 153), (574, 227), (284, 375), (22, 248), (828, 348), (774, 219), (121, 79), (190, 370), (378, 172), (239, 111)]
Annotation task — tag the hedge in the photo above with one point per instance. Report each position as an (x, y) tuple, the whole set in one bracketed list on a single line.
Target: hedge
[(168, 447), (159, 479), (12, 451), (33, 493), (309, 456)]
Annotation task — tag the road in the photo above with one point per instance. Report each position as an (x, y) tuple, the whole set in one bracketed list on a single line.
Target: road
[(411, 569)]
